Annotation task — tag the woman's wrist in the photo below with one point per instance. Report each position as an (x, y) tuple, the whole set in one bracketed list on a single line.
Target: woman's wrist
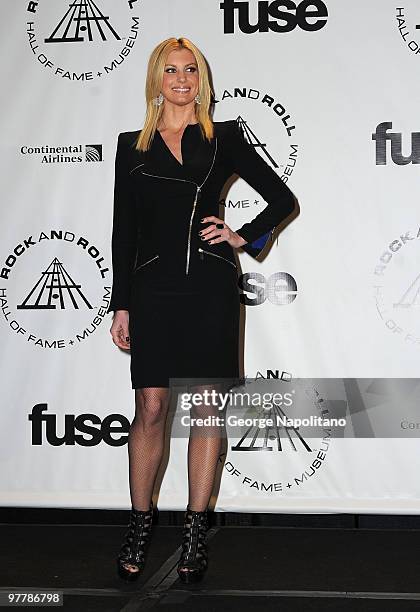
[(239, 240)]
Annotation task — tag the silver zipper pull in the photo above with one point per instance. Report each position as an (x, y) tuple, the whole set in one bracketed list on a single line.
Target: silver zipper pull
[(198, 189)]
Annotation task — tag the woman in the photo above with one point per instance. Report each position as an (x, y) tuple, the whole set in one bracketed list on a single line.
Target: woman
[(175, 291)]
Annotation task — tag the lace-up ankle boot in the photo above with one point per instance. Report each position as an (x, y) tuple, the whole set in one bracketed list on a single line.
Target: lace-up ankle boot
[(193, 561), (134, 546)]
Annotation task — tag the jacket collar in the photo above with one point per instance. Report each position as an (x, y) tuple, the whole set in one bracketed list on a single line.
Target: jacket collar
[(197, 155)]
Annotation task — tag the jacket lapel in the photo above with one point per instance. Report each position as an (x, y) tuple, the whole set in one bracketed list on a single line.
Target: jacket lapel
[(197, 157)]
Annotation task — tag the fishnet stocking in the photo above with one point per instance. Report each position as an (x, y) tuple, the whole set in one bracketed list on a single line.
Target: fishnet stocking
[(203, 450), (146, 446), (146, 443)]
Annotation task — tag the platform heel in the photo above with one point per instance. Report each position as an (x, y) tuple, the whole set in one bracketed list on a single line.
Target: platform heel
[(193, 561), (134, 546)]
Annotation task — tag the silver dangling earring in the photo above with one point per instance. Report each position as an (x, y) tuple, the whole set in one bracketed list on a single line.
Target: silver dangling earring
[(197, 99), (159, 100)]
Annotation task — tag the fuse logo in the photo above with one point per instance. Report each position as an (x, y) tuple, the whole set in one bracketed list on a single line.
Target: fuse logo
[(382, 135), (309, 15), (112, 430), (280, 288)]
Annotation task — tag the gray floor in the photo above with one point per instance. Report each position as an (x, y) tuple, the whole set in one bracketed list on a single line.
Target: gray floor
[(250, 567)]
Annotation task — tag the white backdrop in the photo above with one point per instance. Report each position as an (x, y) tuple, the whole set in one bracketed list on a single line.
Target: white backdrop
[(352, 253)]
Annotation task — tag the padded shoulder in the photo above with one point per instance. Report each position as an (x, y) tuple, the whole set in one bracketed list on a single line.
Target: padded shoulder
[(225, 128), (128, 139)]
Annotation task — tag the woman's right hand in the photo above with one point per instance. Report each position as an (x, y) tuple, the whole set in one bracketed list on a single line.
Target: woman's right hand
[(119, 329)]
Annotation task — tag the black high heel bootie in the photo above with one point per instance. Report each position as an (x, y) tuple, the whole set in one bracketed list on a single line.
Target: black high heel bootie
[(193, 561), (135, 543)]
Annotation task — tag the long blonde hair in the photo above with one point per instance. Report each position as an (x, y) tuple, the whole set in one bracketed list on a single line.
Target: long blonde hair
[(155, 70)]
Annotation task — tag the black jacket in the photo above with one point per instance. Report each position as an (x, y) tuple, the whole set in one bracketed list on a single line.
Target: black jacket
[(158, 202)]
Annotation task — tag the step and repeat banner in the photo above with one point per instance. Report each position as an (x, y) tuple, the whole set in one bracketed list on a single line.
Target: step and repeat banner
[(327, 92)]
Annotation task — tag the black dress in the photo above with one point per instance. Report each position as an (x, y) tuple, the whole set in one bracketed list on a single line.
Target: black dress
[(181, 292)]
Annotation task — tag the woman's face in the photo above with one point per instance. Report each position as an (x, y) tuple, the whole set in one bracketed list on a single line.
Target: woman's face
[(180, 77)]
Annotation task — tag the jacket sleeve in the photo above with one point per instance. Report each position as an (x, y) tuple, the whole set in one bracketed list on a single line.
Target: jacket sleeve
[(250, 166), (124, 230)]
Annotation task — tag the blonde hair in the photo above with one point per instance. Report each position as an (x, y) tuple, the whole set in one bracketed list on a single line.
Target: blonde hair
[(155, 70)]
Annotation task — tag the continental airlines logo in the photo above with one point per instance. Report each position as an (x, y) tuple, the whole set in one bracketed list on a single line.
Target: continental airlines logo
[(83, 40), (66, 154)]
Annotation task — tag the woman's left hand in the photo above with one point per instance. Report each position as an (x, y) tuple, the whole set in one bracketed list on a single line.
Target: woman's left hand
[(213, 235)]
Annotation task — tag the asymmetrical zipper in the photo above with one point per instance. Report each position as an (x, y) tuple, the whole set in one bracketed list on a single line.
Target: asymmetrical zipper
[(215, 255), (146, 262), (198, 190), (136, 168), (189, 229)]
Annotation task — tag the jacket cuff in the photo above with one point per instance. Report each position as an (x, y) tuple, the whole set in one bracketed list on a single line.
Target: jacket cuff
[(248, 233), (242, 233), (255, 246), (113, 307)]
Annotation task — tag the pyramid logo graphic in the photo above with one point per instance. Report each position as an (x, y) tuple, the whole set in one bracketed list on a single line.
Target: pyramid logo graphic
[(254, 141), (411, 297), (54, 289), (253, 432), (82, 21)]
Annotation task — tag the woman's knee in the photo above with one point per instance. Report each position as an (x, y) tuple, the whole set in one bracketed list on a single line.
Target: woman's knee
[(206, 401), (151, 404)]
